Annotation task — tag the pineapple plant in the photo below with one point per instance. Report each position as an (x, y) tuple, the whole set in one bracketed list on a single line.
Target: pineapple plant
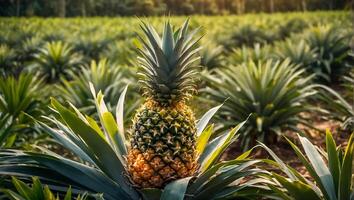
[(275, 92), (333, 52), (37, 191), (330, 170), (106, 77), (339, 104), (104, 162), (246, 35), (295, 25), (99, 167), (18, 96), (28, 49), (299, 53), (56, 59), (163, 134), (7, 60), (124, 48), (91, 45), (245, 54), (211, 56)]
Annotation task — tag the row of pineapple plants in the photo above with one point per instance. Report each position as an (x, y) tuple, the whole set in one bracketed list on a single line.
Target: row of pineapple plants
[(30, 45), (324, 52), (20, 38)]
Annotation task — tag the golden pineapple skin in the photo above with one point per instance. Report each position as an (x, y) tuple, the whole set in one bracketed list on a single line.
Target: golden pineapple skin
[(163, 141)]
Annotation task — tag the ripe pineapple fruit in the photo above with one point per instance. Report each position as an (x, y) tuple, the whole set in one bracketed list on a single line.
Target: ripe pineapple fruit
[(163, 134)]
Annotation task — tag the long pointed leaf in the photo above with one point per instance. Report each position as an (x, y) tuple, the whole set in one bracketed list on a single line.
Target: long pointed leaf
[(176, 189), (347, 165), (319, 166), (217, 146), (205, 119)]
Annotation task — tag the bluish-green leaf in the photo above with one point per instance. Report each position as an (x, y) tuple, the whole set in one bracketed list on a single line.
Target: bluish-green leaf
[(120, 112), (282, 165), (151, 193), (320, 167), (202, 123), (110, 163), (345, 179), (297, 189), (176, 189), (333, 160), (217, 146)]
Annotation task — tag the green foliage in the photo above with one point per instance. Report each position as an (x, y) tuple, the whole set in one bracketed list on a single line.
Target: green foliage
[(348, 84), (56, 59), (105, 77), (275, 94), (100, 163), (245, 54), (90, 45), (295, 25), (331, 45), (121, 52), (28, 49), (7, 60), (246, 35), (329, 181), (341, 109), (36, 192), (168, 62), (211, 57), (19, 96), (271, 55), (299, 53)]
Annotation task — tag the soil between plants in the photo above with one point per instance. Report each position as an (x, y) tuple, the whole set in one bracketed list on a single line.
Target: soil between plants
[(284, 150)]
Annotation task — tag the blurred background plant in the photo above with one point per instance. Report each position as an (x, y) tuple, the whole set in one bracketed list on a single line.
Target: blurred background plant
[(56, 59), (299, 53), (211, 56), (274, 93), (91, 45), (7, 60), (245, 54), (246, 35), (18, 97), (28, 48), (340, 105), (292, 26), (332, 47), (106, 77), (122, 52)]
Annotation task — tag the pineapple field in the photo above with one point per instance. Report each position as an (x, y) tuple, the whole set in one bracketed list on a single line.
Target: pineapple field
[(253, 106)]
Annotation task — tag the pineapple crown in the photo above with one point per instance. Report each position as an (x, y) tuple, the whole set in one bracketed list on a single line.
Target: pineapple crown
[(168, 63)]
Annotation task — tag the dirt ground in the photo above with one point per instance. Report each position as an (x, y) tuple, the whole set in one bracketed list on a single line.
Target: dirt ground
[(284, 150)]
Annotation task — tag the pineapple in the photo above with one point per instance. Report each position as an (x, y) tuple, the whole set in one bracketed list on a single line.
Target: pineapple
[(163, 134)]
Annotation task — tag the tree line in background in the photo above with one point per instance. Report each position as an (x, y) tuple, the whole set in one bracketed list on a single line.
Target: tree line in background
[(72, 8)]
